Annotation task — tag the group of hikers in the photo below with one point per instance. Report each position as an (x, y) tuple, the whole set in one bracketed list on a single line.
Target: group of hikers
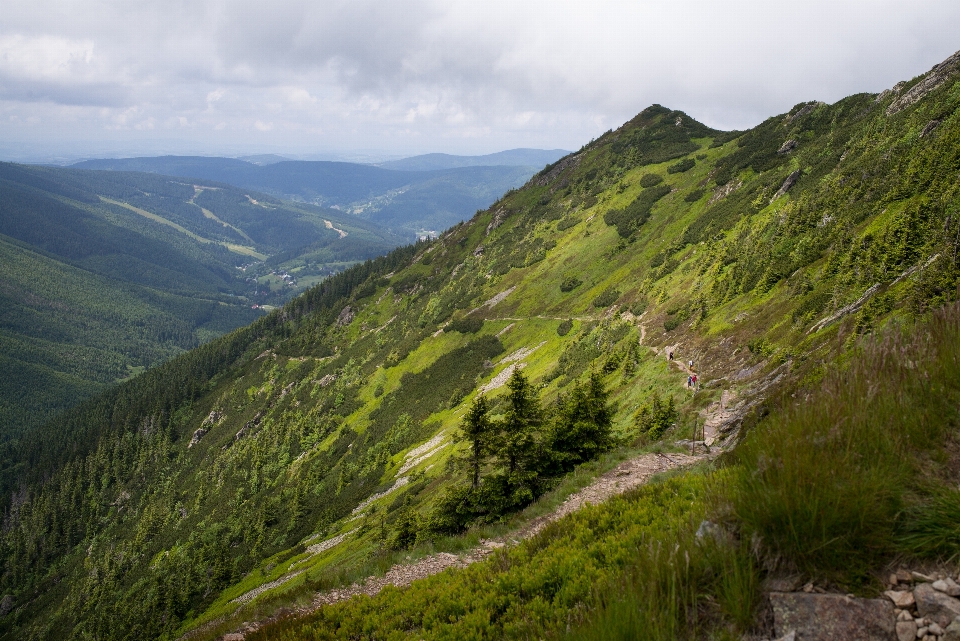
[(692, 380)]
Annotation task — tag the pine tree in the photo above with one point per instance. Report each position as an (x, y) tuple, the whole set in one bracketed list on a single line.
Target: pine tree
[(477, 429), (582, 427), (519, 429)]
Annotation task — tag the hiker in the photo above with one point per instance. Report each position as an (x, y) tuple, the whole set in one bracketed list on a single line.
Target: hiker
[(670, 357), (694, 379), (689, 381), (691, 364)]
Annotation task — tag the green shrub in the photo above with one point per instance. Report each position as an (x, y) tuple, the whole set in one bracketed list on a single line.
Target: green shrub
[(465, 325), (570, 283), (684, 165), (694, 195), (564, 327), (675, 320), (656, 416), (567, 222), (607, 298), (629, 219), (650, 180)]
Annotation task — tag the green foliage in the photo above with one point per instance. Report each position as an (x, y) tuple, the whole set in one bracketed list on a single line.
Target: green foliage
[(535, 586), (676, 319), (629, 219), (657, 135), (656, 416), (694, 195), (582, 424), (607, 298), (465, 325), (650, 180), (524, 451), (930, 528), (570, 283), (564, 327), (864, 431), (117, 526), (684, 165), (407, 527)]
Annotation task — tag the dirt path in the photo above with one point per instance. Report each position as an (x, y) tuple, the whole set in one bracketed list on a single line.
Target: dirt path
[(626, 476)]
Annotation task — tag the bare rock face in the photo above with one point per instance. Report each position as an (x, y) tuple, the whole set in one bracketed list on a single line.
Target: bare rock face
[(6, 605), (787, 184), (936, 606), (930, 82), (787, 147), (803, 111), (726, 190), (562, 165), (345, 317), (827, 617), (199, 434), (933, 124)]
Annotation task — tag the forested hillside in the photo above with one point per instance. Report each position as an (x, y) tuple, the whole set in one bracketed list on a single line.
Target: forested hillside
[(412, 198), (104, 274), (422, 400)]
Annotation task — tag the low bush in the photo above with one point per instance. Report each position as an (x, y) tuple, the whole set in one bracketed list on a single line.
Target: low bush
[(465, 325), (634, 215), (684, 165), (607, 298), (564, 327), (570, 283), (694, 195), (650, 180)]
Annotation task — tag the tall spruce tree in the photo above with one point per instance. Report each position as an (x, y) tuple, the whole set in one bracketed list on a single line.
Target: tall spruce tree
[(582, 425), (519, 430), (477, 429)]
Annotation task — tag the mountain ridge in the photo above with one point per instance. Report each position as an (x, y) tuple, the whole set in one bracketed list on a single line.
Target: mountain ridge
[(415, 201), (662, 237)]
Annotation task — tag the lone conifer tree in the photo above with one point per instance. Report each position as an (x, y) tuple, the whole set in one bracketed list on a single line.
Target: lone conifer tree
[(477, 429)]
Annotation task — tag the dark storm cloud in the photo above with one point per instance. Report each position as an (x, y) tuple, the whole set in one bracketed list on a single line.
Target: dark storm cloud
[(431, 75)]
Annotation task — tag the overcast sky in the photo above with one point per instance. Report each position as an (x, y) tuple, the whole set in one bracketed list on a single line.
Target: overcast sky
[(91, 77)]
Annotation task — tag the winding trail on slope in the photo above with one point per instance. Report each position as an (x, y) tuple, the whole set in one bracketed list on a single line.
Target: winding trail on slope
[(626, 476)]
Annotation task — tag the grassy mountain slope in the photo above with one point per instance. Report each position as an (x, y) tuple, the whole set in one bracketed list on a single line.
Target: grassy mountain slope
[(758, 255), (107, 273), (412, 200)]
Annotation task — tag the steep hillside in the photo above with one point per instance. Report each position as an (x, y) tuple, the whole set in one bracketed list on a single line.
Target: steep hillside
[(412, 200), (324, 440), (106, 273)]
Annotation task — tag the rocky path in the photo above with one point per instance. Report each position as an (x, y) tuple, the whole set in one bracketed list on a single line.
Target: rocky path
[(626, 476)]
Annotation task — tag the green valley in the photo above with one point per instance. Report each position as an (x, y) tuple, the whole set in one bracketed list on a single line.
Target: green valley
[(106, 274), (435, 408)]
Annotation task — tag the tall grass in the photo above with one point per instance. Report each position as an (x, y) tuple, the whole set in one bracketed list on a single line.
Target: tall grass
[(822, 483)]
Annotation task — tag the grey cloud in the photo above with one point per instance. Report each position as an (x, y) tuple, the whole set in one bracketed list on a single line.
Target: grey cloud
[(459, 76)]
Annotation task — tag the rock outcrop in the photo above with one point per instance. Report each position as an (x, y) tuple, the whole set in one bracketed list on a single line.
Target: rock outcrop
[(931, 81), (827, 617)]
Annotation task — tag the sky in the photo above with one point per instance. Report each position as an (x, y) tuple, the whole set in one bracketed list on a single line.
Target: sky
[(359, 79)]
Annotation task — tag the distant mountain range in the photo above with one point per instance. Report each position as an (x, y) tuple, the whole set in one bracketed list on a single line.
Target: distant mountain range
[(416, 195), (510, 158)]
